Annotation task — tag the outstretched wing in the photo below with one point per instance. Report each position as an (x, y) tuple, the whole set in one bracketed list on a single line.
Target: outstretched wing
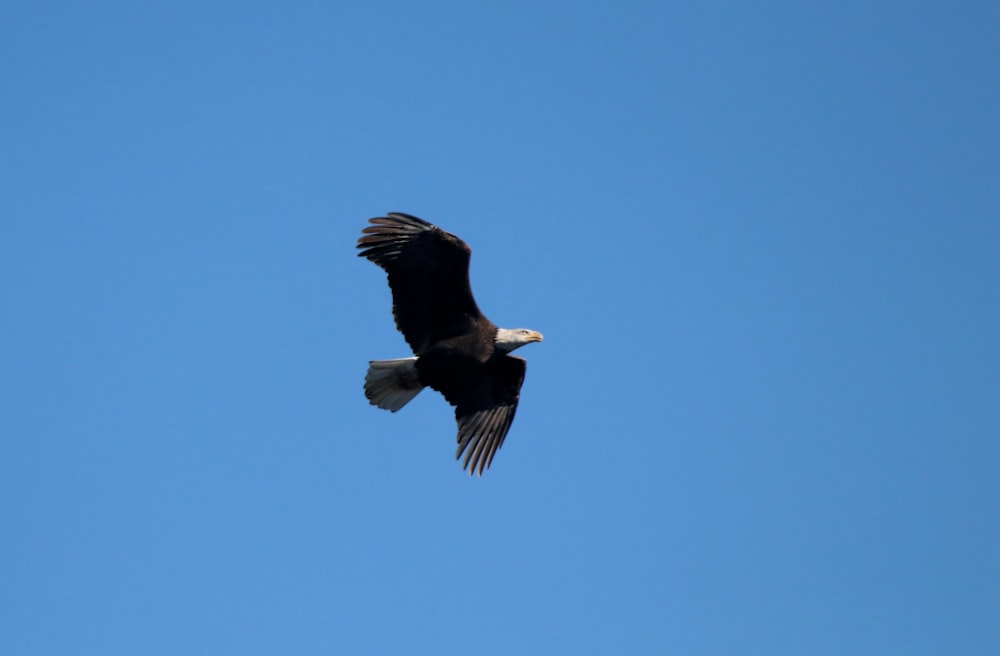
[(485, 397), (486, 412), (428, 272)]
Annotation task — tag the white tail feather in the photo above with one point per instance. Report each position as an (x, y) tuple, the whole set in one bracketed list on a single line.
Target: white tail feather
[(391, 384)]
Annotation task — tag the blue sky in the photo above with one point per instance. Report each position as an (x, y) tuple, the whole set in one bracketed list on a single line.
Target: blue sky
[(760, 238)]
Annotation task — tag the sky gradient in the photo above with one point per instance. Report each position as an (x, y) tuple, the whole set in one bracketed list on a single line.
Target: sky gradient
[(761, 241)]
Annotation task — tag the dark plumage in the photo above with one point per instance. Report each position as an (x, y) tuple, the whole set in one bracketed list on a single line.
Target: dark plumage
[(457, 351)]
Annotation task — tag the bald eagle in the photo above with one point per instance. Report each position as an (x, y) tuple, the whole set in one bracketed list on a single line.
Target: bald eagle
[(456, 350)]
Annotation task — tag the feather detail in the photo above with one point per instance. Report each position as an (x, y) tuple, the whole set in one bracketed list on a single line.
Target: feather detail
[(391, 384)]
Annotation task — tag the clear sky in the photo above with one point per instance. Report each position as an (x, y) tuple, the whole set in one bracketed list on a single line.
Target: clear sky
[(761, 240)]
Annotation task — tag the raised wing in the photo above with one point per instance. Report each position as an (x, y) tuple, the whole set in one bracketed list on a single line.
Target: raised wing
[(428, 271)]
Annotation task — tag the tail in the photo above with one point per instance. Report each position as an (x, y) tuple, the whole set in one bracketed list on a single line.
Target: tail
[(391, 384)]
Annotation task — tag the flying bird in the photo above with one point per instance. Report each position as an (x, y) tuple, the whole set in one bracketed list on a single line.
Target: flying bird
[(456, 349)]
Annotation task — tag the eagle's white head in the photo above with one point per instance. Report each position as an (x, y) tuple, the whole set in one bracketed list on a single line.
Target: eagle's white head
[(508, 339)]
